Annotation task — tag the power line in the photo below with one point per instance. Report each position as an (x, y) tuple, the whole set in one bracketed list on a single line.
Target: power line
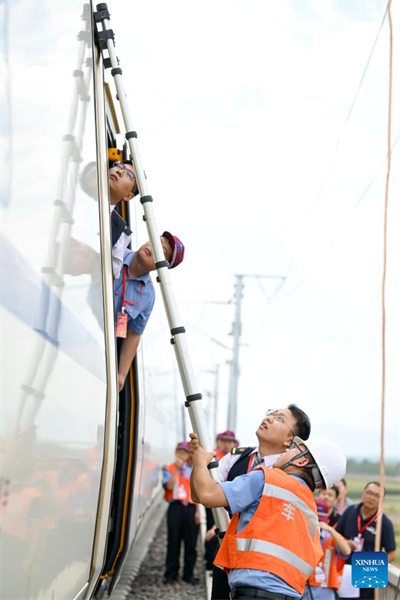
[(349, 114), (279, 288), (210, 337), (377, 173), (205, 304)]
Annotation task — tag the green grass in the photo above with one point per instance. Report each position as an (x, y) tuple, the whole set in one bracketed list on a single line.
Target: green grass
[(391, 506)]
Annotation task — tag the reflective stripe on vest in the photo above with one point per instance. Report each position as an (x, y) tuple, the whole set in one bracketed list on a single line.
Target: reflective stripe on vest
[(277, 492), (332, 579), (247, 545), (328, 564)]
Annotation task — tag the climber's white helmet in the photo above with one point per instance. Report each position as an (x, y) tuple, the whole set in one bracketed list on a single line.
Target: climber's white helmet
[(329, 458)]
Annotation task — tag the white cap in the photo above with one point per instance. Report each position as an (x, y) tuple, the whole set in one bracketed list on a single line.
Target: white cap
[(329, 458)]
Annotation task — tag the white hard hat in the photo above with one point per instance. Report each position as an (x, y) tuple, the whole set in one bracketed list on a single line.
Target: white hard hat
[(329, 458)]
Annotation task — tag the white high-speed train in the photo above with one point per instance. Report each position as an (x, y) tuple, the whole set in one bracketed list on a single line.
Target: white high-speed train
[(80, 464)]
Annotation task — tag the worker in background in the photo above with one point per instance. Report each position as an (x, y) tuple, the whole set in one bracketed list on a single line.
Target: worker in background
[(183, 517), (225, 442), (134, 296), (218, 448), (358, 525), (272, 544), (342, 501), (275, 434), (324, 581), (331, 499), (322, 495)]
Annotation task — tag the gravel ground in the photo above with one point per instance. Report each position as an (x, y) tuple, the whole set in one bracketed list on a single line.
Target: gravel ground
[(148, 585)]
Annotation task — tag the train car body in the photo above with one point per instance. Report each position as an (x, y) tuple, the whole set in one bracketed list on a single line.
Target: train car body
[(80, 464)]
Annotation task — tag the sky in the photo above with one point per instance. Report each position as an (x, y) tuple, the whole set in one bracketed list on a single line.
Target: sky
[(256, 160)]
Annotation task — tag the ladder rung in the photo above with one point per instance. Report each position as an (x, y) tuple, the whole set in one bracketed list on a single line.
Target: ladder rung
[(162, 263), (33, 392), (103, 36), (102, 13), (193, 398), (177, 330), (213, 465)]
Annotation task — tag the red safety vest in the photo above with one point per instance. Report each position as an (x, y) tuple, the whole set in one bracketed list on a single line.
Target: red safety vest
[(282, 537), (220, 453), (181, 489)]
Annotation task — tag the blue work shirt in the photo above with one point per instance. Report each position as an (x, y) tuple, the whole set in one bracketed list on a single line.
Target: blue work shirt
[(244, 495), (139, 291), (319, 593)]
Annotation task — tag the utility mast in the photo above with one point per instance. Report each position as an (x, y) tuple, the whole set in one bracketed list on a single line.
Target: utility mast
[(236, 332), (235, 372)]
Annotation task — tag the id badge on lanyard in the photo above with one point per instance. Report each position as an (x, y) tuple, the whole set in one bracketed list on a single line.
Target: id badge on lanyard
[(181, 492), (122, 316), (359, 540), (122, 324)]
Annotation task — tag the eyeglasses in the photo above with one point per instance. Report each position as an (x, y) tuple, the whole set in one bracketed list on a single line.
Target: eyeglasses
[(371, 494), (295, 445), (122, 166), (278, 417), (302, 453)]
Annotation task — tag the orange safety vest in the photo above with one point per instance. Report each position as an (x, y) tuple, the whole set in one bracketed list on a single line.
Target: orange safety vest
[(282, 537), (220, 453), (181, 489), (329, 564)]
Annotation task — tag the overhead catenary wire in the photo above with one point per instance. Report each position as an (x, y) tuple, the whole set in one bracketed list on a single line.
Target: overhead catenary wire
[(359, 201), (322, 186), (195, 328), (291, 291), (321, 189), (365, 192), (266, 317)]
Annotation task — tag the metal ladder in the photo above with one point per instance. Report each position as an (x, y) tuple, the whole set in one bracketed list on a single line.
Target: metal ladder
[(105, 38)]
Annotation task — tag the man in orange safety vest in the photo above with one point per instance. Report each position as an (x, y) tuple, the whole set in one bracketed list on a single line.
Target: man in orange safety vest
[(272, 544)]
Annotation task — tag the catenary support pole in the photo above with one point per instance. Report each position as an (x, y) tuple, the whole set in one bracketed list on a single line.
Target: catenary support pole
[(234, 373), (105, 39), (237, 332)]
